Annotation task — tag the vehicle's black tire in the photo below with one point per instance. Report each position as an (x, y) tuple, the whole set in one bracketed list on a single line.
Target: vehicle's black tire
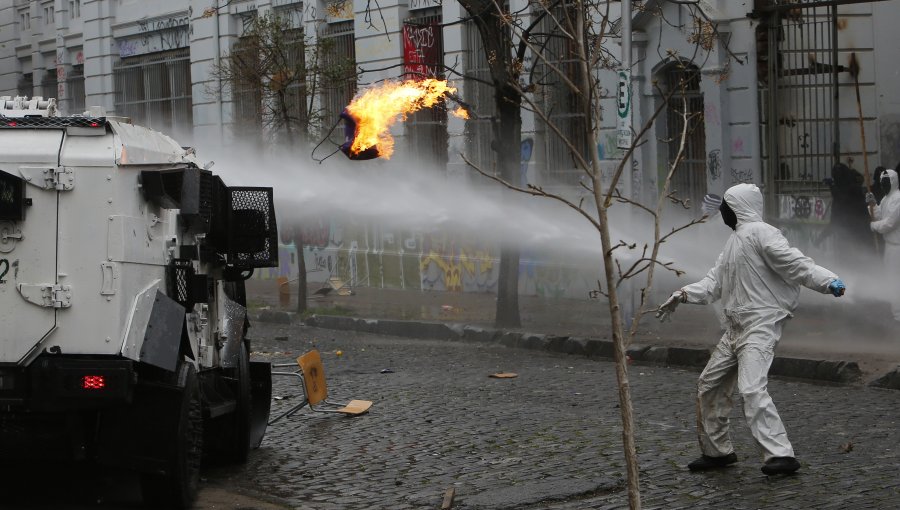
[(177, 488), (239, 446)]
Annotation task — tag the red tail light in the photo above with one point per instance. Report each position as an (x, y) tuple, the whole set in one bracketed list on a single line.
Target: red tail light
[(93, 382)]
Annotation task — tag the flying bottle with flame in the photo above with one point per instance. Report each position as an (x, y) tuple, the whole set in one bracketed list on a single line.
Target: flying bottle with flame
[(369, 117)]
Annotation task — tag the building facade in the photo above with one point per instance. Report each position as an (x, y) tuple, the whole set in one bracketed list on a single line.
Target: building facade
[(771, 85)]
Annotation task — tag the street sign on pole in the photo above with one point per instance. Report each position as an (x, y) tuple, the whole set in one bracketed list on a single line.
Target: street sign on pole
[(623, 107)]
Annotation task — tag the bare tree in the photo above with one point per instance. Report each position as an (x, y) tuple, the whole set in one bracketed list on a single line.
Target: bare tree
[(274, 75), (583, 27)]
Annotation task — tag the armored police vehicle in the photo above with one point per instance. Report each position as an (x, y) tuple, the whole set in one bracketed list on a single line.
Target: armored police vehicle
[(122, 305)]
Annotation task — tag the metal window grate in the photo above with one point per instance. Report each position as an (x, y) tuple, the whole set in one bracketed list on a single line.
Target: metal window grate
[(798, 70), (155, 90), (559, 103), (689, 179), (75, 89), (25, 87), (479, 95), (426, 129), (337, 45), (50, 84)]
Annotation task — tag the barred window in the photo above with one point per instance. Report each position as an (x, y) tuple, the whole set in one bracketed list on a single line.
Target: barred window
[(426, 129), (155, 91), (337, 47), (25, 87), (479, 95), (689, 179), (49, 84), (559, 103), (75, 89)]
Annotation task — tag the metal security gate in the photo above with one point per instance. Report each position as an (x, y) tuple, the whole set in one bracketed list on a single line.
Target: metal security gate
[(798, 71), (155, 91)]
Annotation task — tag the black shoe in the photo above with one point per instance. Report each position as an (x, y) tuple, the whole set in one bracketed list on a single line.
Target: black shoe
[(780, 466), (706, 463)]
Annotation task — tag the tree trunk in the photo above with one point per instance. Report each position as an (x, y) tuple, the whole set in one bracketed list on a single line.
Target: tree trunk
[(621, 359), (508, 137)]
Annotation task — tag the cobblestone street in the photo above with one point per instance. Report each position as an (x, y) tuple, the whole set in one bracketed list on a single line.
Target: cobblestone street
[(549, 438)]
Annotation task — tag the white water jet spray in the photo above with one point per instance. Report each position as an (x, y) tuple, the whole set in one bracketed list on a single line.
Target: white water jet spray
[(398, 194)]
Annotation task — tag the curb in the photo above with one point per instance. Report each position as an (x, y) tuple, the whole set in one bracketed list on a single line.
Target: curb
[(844, 372)]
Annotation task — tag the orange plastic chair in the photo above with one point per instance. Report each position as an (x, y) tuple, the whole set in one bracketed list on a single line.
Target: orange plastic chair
[(312, 378)]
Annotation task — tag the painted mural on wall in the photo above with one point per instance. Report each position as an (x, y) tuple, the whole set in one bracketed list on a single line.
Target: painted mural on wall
[(370, 256)]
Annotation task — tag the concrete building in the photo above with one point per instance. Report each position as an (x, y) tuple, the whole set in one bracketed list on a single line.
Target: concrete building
[(776, 101)]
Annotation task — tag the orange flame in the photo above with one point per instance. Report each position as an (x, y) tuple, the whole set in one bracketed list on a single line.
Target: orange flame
[(376, 109), (461, 112)]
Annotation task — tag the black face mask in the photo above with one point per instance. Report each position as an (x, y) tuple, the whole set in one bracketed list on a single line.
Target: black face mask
[(728, 215), (885, 184)]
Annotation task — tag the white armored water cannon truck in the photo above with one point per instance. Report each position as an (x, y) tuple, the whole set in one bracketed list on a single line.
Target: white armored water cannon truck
[(122, 304)]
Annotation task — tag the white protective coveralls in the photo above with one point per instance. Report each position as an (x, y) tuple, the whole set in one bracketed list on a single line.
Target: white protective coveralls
[(757, 277), (887, 223)]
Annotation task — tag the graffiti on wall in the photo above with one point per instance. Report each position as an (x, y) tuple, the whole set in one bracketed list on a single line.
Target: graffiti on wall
[(714, 164), (447, 263), (808, 209), (371, 256), (154, 35), (741, 175)]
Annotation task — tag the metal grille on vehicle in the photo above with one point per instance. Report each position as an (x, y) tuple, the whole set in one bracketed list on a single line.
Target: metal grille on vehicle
[(252, 234), (51, 122)]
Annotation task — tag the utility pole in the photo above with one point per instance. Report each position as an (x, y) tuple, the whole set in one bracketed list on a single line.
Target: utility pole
[(624, 135)]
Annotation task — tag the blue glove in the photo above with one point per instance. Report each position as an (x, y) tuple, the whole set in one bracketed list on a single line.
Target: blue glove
[(837, 287)]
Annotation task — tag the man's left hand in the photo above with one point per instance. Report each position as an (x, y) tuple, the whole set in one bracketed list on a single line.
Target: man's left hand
[(837, 288)]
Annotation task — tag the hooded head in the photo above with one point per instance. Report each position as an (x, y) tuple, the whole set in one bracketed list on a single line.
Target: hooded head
[(746, 201), (889, 181)]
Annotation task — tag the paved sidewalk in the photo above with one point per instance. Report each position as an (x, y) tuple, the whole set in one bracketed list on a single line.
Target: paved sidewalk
[(824, 328)]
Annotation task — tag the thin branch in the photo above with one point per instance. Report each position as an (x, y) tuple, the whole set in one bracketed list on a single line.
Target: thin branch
[(532, 190)]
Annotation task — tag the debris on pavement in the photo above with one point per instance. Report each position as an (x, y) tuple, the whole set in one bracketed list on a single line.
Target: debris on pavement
[(387, 371), (504, 375), (447, 504)]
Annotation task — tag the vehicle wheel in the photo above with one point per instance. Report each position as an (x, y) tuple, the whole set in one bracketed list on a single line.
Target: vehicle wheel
[(239, 446), (178, 487)]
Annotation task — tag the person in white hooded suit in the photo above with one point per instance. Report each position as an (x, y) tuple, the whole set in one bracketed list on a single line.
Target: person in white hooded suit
[(757, 279), (886, 221)]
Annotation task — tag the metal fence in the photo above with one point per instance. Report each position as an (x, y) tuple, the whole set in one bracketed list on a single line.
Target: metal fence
[(426, 129), (479, 95), (155, 90), (689, 179)]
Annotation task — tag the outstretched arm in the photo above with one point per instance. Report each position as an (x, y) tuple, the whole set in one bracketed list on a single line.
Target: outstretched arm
[(794, 266)]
